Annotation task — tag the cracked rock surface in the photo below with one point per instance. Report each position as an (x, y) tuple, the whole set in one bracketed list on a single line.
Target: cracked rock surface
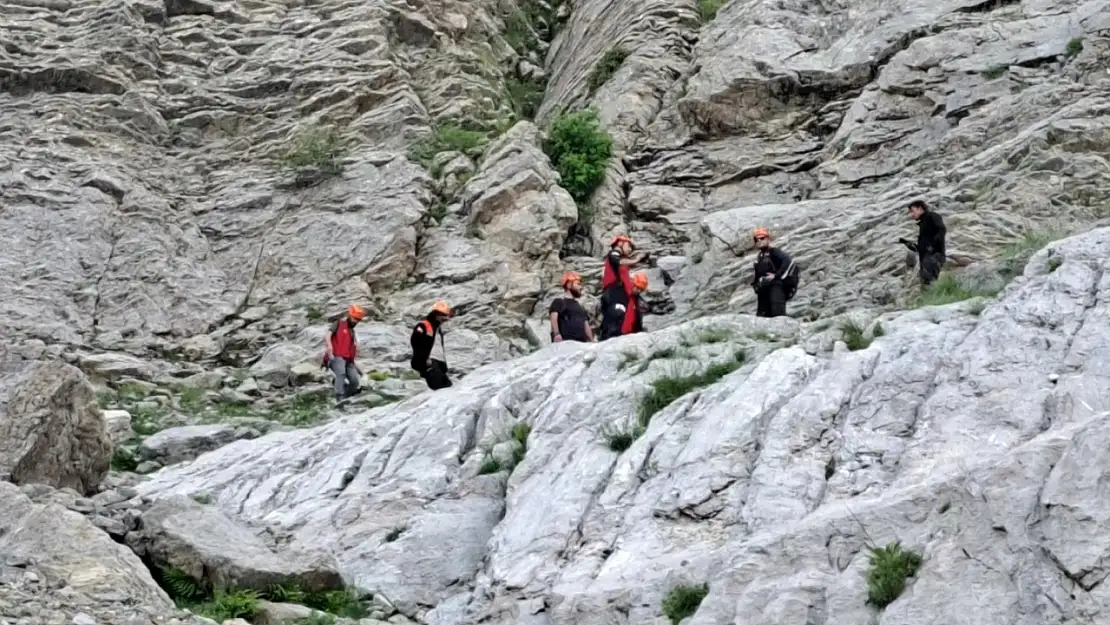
[(971, 433)]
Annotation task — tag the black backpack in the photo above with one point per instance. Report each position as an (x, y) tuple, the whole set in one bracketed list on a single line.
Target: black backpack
[(790, 280)]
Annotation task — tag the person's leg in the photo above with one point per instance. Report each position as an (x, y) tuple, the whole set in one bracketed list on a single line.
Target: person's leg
[(929, 268), (338, 368), (437, 376), (353, 383), (776, 301), (762, 303)]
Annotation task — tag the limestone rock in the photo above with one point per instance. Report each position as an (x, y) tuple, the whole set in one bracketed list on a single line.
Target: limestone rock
[(943, 433), (178, 444), (51, 431), (202, 541), (117, 423)]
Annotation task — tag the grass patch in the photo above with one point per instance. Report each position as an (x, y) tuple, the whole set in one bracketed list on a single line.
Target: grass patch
[(192, 400), (189, 593), (318, 149), (715, 335), (447, 137), (994, 72), (666, 390), (123, 460), (605, 67), (1030, 243), (524, 96), (1054, 263), (378, 376), (228, 605), (489, 465), (947, 290), (853, 336), (580, 150), (520, 433), (878, 330), (1074, 47), (683, 601), (301, 410), (317, 618), (232, 409), (620, 438), (707, 9), (890, 567), (313, 313)]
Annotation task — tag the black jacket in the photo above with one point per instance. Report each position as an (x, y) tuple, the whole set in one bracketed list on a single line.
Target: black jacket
[(611, 321), (930, 233), (771, 260), (422, 342)]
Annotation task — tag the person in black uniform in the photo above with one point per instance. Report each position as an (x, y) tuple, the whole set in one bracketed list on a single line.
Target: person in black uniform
[(774, 269), (930, 241), (569, 321), (427, 360)]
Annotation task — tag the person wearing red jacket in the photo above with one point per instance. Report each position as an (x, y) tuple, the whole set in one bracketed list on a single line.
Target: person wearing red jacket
[(623, 314), (340, 351)]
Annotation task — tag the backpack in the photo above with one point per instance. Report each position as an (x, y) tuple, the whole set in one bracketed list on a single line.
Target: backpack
[(790, 280)]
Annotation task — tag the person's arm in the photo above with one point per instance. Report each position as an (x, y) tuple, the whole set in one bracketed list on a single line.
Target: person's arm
[(782, 262), (553, 316), (589, 331), (328, 350), (939, 232)]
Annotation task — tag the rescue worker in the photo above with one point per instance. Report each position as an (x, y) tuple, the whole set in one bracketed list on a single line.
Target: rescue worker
[(623, 313), (428, 358), (617, 263), (340, 350), (930, 241), (772, 266), (569, 321)]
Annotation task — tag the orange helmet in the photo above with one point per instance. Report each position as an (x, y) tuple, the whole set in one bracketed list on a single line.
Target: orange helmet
[(354, 311), (442, 307), (569, 277), (620, 238), (761, 232), (640, 280)]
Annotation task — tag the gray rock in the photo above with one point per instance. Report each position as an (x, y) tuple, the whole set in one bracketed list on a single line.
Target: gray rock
[(147, 466), (202, 541), (118, 425), (179, 444), (943, 434), (269, 613), (51, 431)]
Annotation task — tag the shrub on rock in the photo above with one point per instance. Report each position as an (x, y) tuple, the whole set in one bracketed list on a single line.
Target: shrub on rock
[(580, 150)]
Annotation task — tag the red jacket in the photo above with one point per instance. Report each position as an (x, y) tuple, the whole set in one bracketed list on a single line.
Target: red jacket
[(343, 343), (615, 272)]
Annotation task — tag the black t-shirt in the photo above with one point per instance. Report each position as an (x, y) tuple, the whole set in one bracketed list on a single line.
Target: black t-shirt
[(572, 319)]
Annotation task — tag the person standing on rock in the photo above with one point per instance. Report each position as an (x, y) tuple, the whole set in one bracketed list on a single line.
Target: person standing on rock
[(774, 279), (618, 263), (930, 242), (340, 350), (569, 321), (622, 313), (428, 358)]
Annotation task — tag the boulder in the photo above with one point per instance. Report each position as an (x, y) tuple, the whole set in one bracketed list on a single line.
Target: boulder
[(51, 430), (203, 542), (183, 443)]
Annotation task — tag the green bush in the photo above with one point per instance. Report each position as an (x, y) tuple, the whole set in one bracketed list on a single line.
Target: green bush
[(707, 9), (525, 96), (853, 336), (447, 137), (620, 439), (947, 290), (605, 67), (318, 148), (683, 601), (1075, 46), (228, 605), (666, 390), (580, 150), (123, 460), (890, 566)]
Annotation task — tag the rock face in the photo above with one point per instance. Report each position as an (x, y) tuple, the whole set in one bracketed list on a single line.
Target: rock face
[(971, 433), (51, 431), (201, 541), (46, 578)]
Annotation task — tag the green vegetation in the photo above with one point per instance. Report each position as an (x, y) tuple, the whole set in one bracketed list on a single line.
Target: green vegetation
[(1030, 243), (666, 390), (301, 410), (878, 330), (221, 605), (994, 72), (317, 149), (447, 137), (853, 336), (947, 290), (193, 400), (714, 335), (621, 438), (683, 601), (317, 618), (1075, 46), (580, 150), (707, 9), (605, 67), (890, 567), (1054, 263), (524, 96), (313, 313), (123, 460), (518, 433)]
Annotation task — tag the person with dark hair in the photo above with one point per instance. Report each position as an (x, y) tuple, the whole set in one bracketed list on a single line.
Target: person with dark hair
[(930, 241), (569, 321), (427, 360)]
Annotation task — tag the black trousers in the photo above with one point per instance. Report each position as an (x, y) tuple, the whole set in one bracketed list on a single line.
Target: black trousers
[(928, 267), (770, 301), (436, 375)]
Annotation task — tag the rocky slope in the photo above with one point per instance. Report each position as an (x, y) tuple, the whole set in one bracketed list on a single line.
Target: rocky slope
[(970, 433)]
